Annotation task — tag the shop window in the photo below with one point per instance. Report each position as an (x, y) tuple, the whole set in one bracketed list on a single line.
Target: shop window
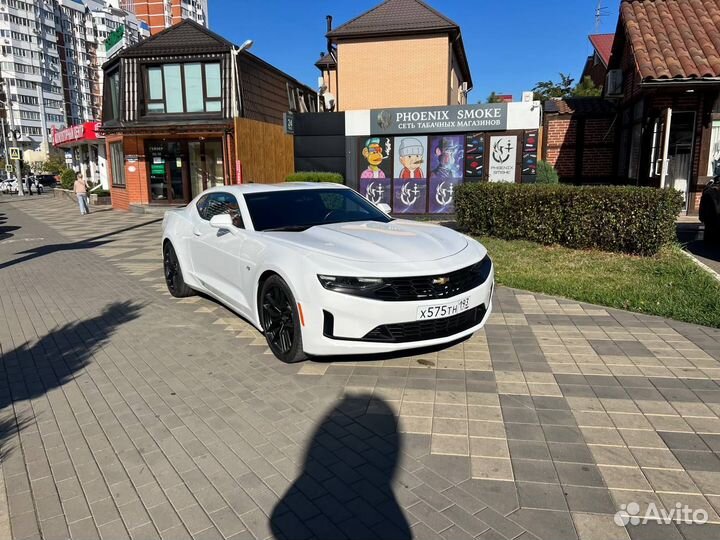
[(117, 162), (714, 161), (183, 88)]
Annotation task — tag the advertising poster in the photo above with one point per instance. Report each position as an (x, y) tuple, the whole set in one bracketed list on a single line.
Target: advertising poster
[(409, 196), (475, 143), (529, 156), (446, 156), (410, 157), (376, 190), (441, 198), (375, 157), (503, 153)]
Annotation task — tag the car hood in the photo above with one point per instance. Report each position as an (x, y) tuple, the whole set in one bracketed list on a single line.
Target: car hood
[(372, 241)]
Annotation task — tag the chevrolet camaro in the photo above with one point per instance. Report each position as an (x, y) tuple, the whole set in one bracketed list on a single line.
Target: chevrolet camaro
[(321, 271)]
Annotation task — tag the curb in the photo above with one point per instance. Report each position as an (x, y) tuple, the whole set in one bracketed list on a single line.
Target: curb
[(701, 264)]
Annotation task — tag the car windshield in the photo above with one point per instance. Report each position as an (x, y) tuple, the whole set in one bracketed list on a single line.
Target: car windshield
[(300, 209)]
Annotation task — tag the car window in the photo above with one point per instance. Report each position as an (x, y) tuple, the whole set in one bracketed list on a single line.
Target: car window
[(302, 208), (200, 205), (221, 203)]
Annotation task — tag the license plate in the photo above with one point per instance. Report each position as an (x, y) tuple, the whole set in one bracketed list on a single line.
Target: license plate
[(443, 310)]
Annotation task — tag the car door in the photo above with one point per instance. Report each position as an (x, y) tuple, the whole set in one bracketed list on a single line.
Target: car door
[(217, 254)]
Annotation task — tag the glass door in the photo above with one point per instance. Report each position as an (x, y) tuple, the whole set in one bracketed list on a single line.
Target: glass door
[(206, 165), (167, 172), (680, 152)]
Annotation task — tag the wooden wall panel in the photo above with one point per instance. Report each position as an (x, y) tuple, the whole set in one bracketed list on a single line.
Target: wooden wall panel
[(264, 150)]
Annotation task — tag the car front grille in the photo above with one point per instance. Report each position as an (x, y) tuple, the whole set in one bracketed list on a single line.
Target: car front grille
[(425, 330), (436, 286)]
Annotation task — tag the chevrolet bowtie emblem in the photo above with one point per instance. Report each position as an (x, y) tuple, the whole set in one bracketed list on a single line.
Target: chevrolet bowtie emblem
[(444, 280)]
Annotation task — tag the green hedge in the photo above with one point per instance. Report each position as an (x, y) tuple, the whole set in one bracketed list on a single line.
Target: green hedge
[(621, 219), (315, 176), (67, 179)]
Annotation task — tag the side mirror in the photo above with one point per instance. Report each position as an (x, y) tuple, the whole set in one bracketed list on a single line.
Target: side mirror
[(384, 207), (222, 221)]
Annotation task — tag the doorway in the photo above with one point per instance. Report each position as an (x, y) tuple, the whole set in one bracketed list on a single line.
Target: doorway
[(206, 165), (180, 170)]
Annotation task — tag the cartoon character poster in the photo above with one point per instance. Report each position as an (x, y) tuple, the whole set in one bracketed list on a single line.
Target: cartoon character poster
[(376, 190), (375, 157), (441, 198), (410, 157), (409, 196), (446, 156)]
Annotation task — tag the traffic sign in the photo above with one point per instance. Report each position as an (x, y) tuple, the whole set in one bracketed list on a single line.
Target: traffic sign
[(14, 152), (9, 168)]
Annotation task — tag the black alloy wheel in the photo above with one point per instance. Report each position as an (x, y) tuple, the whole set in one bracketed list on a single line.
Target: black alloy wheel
[(280, 320), (173, 274)]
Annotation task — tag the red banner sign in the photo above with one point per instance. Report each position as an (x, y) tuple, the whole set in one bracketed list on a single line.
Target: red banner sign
[(76, 134)]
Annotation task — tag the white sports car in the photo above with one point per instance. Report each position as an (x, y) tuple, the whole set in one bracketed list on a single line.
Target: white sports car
[(322, 271)]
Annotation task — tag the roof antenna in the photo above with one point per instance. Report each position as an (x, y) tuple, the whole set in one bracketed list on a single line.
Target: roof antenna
[(600, 12)]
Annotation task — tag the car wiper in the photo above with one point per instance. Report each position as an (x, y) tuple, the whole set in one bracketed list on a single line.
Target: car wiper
[(289, 228)]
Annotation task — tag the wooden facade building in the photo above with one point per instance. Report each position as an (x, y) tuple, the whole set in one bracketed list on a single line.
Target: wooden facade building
[(177, 119)]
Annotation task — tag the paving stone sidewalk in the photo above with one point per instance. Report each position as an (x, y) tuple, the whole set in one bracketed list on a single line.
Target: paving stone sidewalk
[(125, 413)]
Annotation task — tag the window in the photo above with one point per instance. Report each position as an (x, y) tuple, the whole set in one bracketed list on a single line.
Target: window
[(117, 158), (183, 88), (299, 209), (214, 204), (112, 96)]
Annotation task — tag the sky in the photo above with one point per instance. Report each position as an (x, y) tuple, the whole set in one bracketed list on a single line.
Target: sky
[(510, 44)]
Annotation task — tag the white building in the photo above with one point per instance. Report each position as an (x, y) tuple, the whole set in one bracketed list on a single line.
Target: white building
[(51, 60)]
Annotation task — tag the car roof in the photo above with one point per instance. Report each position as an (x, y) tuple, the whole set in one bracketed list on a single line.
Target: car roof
[(284, 186)]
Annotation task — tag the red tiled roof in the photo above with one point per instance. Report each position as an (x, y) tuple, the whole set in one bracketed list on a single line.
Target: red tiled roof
[(603, 45), (674, 39)]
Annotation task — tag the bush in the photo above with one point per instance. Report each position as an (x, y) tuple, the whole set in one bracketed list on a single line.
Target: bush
[(546, 173), (67, 178), (621, 219), (315, 176)]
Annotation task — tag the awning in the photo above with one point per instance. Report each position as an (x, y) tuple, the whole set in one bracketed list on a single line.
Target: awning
[(76, 135)]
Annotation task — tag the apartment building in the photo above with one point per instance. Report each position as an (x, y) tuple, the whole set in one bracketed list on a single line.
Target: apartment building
[(50, 59), (162, 14)]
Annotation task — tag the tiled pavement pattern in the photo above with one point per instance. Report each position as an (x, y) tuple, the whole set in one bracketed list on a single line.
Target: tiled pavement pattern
[(126, 413)]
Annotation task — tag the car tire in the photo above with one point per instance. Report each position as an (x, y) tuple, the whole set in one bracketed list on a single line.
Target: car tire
[(280, 320), (173, 273)]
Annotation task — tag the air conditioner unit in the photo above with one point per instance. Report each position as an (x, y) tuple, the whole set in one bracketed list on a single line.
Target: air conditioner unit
[(614, 83)]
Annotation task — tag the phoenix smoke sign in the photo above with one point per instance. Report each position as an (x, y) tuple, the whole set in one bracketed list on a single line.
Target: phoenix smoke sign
[(454, 118)]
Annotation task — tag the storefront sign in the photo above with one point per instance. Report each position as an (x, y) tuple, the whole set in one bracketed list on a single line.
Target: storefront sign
[(503, 151), (76, 134), (454, 118), (289, 123)]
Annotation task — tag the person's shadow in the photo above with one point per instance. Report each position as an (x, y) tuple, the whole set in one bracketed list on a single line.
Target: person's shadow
[(344, 490)]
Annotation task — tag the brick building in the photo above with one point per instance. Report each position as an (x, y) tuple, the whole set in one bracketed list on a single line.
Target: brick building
[(401, 53), (162, 14), (597, 63), (659, 122), (179, 119)]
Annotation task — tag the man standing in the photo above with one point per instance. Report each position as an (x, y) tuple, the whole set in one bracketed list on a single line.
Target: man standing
[(80, 188)]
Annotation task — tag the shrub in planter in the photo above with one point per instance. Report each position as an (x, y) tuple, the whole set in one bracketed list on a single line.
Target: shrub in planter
[(67, 178), (546, 173), (315, 176), (621, 219)]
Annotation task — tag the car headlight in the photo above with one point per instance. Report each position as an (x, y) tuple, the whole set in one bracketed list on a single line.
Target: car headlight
[(350, 284)]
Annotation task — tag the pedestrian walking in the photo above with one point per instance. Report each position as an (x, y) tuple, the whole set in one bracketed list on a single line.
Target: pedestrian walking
[(80, 187)]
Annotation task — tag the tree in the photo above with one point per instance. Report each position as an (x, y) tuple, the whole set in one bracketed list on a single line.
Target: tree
[(545, 90), (546, 173), (53, 165), (494, 98), (587, 88)]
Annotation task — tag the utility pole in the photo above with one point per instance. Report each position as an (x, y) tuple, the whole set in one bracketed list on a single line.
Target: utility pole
[(8, 109)]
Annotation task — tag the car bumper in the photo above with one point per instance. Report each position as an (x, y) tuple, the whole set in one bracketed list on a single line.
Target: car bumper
[(353, 320)]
